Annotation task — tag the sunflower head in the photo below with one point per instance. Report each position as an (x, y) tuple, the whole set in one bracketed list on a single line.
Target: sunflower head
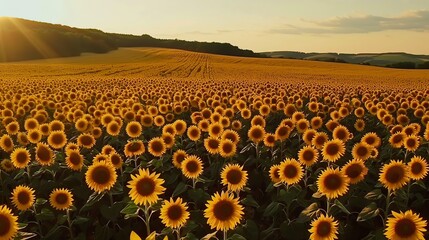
[(101, 176), (61, 199), (333, 183), (355, 170), (134, 148), (406, 225), (324, 227), (256, 133), (178, 158), (174, 214), (308, 155), (192, 167), (44, 154), (145, 187), (394, 175), (274, 173), (234, 177), (418, 167), (157, 147), (23, 197), (290, 171), (57, 139), (223, 212), (333, 150), (74, 160), (8, 223), (20, 157), (227, 148)]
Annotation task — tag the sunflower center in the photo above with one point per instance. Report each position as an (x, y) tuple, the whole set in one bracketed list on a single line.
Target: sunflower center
[(5, 225), (234, 176), (145, 186), (194, 133), (213, 143), (134, 128), (23, 197), (362, 151), (341, 134), (354, 170), (43, 154), (61, 199), (333, 182), (397, 138), (405, 228), (133, 147), (115, 159), (370, 140), (7, 142), (157, 146), (101, 175), (74, 158), (256, 133), (192, 166), (411, 142), (227, 147), (215, 130), (308, 156), (283, 131), (21, 157), (416, 168), (395, 174), (320, 140), (223, 210), (323, 229), (86, 140), (174, 212), (57, 139), (332, 149), (290, 171)]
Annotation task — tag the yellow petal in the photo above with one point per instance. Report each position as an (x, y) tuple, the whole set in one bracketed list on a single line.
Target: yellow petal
[(134, 236), (151, 236)]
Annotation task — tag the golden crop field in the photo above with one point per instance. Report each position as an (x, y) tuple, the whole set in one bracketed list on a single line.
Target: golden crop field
[(147, 143)]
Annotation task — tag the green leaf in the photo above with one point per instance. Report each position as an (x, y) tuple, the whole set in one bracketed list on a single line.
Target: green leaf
[(180, 188), (341, 206), (246, 148), (131, 208), (45, 215), (25, 235), (271, 209), (374, 195), (317, 195), (117, 189), (111, 212), (40, 201), (308, 213), (19, 174), (421, 184), (80, 220), (237, 237), (250, 201), (61, 219), (93, 198), (368, 212)]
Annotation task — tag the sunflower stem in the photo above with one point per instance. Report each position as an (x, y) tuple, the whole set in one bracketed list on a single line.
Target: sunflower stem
[(70, 224), (406, 154), (328, 206), (110, 198), (38, 222), (408, 194), (386, 211), (28, 173), (147, 218), (178, 233), (194, 183), (225, 235)]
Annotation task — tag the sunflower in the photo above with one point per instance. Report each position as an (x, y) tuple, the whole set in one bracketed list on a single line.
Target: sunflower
[(406, 225), (341, 133), (316, 122), (8, 223), (231, 135), (44, 129), (362, 151), (396, 140), (180, 126), (215, 129), (145, 187), (81, 124), (274, 173), (22, 139), (308, 136), (116, 160), (194, 133), (70, 147), (113, 128), (56, 125), (234, 177), (302, 125), (44, 154), (212, 145), (134, 148), (418, 168), (256, 133), (7, 165), (156, 147), (355, 170), (372, 139), (20, 157), (34, 136), (30, 124), (23, 197), (324, 228), (57, 139), (178, 158), (159, 120), (290, 171), (169, 128), (168, 140), (359, 125), (333, 183), (270, 140), (101, 176), (6, 143), (333, 150), (319, 140), (227, 148), (394, 175), (223, 211), (134, 129), (12, 128), (411, 143), (108, 149), (236, 125), (86, 140), (61, 199), (74, 160), (308, 156), (192, 167), (174, 214)]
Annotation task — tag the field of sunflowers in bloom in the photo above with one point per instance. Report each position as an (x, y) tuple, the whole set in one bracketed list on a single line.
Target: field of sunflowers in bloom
[(157, 158)]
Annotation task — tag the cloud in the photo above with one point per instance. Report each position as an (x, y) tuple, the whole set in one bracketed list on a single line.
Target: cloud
[(412, 21)]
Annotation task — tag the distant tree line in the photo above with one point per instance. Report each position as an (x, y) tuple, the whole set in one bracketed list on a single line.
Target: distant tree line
[(409, 65), (25, 40)]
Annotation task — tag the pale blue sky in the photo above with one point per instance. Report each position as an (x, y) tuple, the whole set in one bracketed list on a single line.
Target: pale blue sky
[(305, 25)]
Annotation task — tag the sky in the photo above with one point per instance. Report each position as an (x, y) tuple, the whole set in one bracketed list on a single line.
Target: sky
[(347, 26)]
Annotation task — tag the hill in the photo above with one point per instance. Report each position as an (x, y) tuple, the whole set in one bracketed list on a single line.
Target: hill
[(22, 39), (394, 60)]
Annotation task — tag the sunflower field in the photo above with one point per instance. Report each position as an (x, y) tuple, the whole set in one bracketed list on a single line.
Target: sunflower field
[(179, 159)]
